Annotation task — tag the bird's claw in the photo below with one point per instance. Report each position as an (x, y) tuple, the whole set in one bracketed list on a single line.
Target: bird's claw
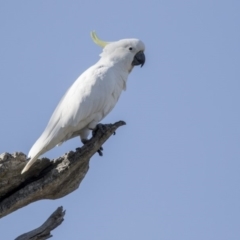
[(84, 141), (100, 151), (98, 127)]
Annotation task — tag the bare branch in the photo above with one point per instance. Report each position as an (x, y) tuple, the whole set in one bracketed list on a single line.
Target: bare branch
[(44, 231), (46, 179)]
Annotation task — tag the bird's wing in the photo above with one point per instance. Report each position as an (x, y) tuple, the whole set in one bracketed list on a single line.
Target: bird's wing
[(91, 93)]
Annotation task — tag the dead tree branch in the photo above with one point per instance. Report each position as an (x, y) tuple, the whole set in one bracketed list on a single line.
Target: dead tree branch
[(46, 179), (44, 231)]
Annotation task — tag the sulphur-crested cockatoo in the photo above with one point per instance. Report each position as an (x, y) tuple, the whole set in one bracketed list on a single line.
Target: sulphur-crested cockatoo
[(92, 96)]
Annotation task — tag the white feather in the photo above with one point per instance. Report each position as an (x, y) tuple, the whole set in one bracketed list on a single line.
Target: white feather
[(91, 97)]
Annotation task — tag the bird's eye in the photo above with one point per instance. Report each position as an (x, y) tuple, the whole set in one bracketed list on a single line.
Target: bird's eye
[(130, 48)]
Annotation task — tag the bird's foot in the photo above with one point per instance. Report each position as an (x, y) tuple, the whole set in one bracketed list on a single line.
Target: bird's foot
[(100, 127), (100, 151), (84, 141)]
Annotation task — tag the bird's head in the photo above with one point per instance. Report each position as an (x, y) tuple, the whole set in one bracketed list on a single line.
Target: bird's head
[(126, 52)]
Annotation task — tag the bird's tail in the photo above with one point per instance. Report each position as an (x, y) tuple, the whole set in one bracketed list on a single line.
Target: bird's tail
[(29, 164)]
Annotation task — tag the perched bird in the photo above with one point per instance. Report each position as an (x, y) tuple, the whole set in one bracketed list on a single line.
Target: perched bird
[(92, 96)]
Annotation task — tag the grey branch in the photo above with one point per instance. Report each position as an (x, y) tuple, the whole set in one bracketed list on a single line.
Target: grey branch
[(44, 231), (47, 179)]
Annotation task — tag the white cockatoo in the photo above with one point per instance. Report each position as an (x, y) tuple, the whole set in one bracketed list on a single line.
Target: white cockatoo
[(91, 97)]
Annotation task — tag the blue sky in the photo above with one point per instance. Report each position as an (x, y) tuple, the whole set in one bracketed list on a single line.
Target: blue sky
[(173, 171)]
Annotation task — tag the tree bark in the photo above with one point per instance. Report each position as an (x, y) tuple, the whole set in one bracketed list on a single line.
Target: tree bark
[(47, 179), (44, 231)]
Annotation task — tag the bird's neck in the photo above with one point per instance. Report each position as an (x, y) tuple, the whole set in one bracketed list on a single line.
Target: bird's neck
[(119, 64)]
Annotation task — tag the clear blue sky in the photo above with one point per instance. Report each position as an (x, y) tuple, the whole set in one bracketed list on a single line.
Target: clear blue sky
[(172, 173)]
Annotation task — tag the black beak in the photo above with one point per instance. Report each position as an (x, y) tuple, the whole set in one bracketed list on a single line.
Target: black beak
[(139, 59)]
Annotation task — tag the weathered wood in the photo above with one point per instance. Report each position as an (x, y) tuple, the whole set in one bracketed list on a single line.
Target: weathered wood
[(46, 179), (44, 232)]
